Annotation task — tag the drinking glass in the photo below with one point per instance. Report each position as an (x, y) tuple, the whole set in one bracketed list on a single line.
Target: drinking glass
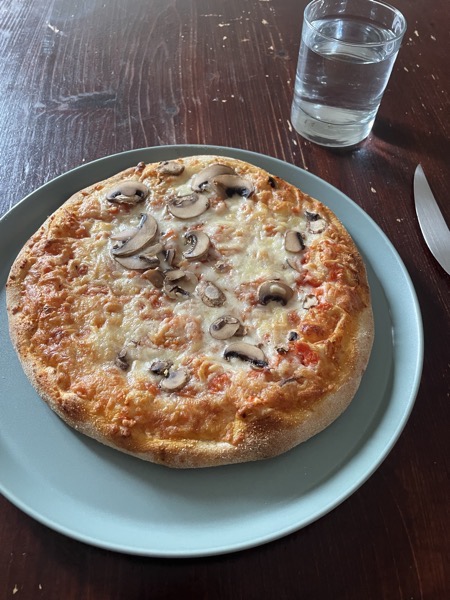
[(347, 52)]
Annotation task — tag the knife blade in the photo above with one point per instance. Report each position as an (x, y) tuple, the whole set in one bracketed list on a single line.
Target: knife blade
[(432, 223)]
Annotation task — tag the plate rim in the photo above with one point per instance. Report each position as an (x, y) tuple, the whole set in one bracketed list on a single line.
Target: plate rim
[(247, 155)]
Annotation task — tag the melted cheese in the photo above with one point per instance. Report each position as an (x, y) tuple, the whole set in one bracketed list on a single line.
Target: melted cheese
[(250, 240)]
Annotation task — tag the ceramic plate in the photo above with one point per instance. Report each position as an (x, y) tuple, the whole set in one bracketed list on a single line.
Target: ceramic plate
[(102, 497)]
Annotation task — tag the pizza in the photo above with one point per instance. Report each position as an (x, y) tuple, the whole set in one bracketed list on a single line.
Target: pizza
[(194, 312)]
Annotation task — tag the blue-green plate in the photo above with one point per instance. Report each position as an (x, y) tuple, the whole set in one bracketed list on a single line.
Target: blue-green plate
[(103, 497)]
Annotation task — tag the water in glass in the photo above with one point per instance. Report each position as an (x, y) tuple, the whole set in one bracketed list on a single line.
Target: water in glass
[(339, 84)]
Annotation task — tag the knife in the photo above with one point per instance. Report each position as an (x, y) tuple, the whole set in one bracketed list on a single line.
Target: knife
[(431, 221)]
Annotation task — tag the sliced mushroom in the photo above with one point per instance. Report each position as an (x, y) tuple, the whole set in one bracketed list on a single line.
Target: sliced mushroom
[(210, 294), (294, 264), (309, 301), (170, 167), (178, 274), (155, 276), (201, 179), (234, 184), (222, 267), (188, 207), (246, 352), (152, 250), (139, 262), (274, 290), (121, 360), (293, 241), (161, 367), (145, 234), (127, 192), (225, 327), (124, 234), (179, 284), (175, 380), (167, 257), (317, 226), (282, 349), (199, 245), (175, 275)]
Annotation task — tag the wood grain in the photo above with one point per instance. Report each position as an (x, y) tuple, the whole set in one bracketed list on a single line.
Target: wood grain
[(82, 79)]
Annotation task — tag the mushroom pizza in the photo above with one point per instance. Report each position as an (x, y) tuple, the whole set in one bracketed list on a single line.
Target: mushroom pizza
[(194, 312)]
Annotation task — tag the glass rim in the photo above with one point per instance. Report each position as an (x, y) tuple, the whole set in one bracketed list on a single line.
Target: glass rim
[(393, 9)]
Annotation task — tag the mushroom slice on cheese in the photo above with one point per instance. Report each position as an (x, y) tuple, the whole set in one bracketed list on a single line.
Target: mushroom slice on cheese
[(124, 235), (179, 284), (316, 224), (161, 367), (235, 184), (293, 241), (145, 234), (210, 294), (225, 327), (309, 301), (199, 243), (170, 167), (175, 380), (155, 276), (127, 192), (274, 290), (121, 360), (188, 207), (204, 178), (246, 352), (139, 262)]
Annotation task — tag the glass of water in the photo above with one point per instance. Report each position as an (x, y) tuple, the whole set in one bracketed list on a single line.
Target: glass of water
[(347, 52)]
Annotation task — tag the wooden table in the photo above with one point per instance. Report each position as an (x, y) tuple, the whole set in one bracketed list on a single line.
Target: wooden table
[(84, 79)]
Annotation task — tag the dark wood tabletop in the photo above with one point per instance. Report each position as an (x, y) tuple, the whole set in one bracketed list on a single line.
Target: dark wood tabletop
[(83, 79)]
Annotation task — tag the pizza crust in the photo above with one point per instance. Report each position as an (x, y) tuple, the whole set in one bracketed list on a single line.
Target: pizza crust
[(71, 305)]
